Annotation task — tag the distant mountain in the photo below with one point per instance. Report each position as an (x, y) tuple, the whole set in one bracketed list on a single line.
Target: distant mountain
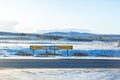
[(69, 33)]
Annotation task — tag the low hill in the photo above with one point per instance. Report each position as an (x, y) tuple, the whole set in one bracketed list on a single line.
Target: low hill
[(65, 36)]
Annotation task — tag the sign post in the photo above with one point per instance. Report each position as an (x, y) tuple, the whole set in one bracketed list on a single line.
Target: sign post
[(67, 52), (65, 47), (33, 52), (35, 48), (46, 52), (46, 48), (54, 50)]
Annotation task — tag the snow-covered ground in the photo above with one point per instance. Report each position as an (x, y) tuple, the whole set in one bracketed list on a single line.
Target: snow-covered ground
[(60, 74), (91, 48), (76, 45), (9, 47)]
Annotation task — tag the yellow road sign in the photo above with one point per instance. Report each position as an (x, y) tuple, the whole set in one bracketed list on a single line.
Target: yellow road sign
[(65, 47), (36, 47)]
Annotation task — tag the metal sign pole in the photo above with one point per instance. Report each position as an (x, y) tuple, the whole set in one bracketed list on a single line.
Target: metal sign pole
[(54, 50), (46, 52), (33, 52), (67, 52)]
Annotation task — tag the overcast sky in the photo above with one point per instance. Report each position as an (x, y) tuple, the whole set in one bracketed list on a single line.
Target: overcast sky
[(96, 16)]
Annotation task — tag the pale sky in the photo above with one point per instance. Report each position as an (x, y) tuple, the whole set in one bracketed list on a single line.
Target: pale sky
[(95, 16)]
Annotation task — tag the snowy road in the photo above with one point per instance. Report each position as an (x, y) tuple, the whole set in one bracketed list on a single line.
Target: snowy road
[(59, 63)]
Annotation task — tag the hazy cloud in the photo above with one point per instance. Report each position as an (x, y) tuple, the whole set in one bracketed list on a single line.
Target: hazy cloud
[(7, 26)]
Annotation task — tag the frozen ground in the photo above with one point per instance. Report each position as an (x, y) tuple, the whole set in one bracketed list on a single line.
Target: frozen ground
[(60, 74), (76, 45), (10, 47), (91, 48)]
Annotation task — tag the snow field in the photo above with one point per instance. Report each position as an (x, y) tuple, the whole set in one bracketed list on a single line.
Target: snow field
[(60, 74), (91, 48)]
